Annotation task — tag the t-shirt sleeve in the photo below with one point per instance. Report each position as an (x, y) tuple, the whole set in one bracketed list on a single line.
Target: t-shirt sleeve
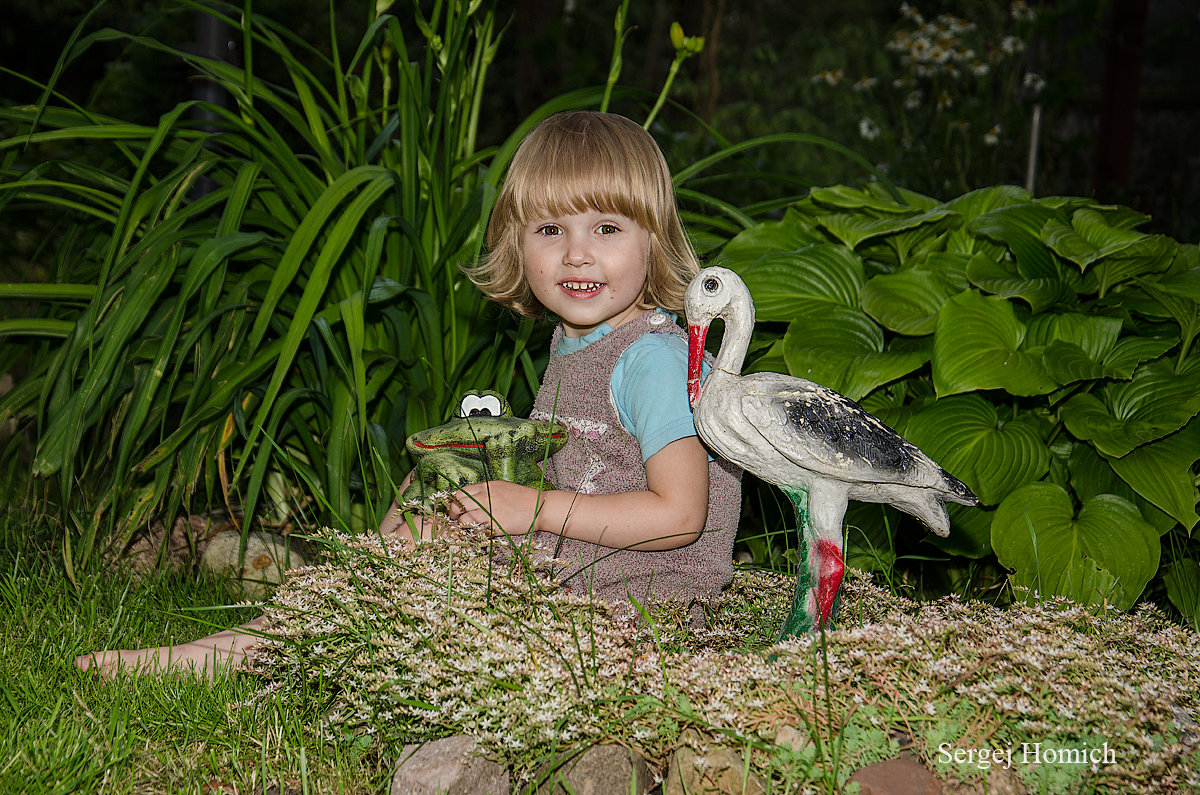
[(649, 387)]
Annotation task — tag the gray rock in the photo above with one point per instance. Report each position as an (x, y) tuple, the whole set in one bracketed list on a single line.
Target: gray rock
[(267, 557), (450, 766), (901, 776), (999, 781), (600, 770), (703, 767)]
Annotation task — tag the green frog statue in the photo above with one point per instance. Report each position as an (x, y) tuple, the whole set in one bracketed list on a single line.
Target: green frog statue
[(482, 441)]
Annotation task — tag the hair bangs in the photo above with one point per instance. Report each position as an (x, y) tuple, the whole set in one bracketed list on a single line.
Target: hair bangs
[(577, 171)]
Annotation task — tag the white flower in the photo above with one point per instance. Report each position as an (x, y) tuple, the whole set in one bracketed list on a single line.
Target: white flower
[(1034, 82), (944, 101), (979, 68), (1020, 11), (868, 129), (865, 84), (828, 76), (992, 136), (1012, 45), (913, 100), (911, 12)]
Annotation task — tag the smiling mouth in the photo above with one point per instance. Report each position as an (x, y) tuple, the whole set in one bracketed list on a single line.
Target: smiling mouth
[(581, 287)]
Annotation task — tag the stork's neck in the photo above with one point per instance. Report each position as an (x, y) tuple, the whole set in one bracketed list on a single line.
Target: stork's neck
[(739, 327)]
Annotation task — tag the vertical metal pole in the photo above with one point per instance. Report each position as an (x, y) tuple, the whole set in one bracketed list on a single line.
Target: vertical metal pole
[(1035, 132)]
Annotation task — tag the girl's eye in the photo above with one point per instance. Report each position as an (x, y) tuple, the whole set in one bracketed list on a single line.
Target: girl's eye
[(550, 230), (609, 229)]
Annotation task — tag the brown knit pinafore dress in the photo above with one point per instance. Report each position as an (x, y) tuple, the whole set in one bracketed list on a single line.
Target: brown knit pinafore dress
[(601, 457)]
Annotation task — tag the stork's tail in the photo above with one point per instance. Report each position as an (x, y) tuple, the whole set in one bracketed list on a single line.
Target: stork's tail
[(957, 491)]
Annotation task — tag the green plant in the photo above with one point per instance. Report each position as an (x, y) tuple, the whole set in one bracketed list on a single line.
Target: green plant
[(260, 308), (1040, 349), (274, 293)]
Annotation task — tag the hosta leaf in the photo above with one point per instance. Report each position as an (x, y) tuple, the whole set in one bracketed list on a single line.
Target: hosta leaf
[(1128, 353), (849, 198), (1155, 402), (1019, 227), (1074, 345), (1115, 215), (1067, 363), (974, 204), (1106, 552), (769, 236), (1094, 229), (1093, 334), (826, 273), (843, 349), (970, 532), (1184, 277), (770, 362), (965, 436), (1069, 244), (977, 346), (978, 202), (906, 302), (1002, 278), (1185, 311), (1093, 235), (1161, 471), (949, 266), (1092, 475), (852, 228), (1183, 587), (1152, 254)]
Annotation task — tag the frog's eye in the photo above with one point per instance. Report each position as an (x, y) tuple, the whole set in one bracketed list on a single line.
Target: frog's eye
[(479, 406)]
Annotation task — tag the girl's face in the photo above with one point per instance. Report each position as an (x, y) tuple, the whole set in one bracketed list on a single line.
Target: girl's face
[(588, 268)]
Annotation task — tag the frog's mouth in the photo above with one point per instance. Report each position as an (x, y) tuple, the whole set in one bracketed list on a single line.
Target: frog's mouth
[(478, 445), (457, 446)]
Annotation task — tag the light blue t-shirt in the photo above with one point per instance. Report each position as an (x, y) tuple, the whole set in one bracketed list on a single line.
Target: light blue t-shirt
[(649, 386)]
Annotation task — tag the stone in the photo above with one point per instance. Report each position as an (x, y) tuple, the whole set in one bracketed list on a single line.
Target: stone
[(704, 767), (600, 770), (903, 775), (180, 548), (999, 781), (791, 737), (449, 766), (267, 557)]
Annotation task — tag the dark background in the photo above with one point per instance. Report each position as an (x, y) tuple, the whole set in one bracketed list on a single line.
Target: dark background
[(1121, 109)]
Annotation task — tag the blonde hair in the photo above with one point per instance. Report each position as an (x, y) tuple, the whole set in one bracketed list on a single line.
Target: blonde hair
[(570, 163)]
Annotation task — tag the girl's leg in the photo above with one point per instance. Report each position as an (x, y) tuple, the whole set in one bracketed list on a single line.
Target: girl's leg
[(207, 656)]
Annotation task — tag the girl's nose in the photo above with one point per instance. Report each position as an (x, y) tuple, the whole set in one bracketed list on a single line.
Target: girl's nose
[(577, 255)]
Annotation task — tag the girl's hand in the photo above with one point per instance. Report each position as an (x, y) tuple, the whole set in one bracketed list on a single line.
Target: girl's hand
[(505, 508), (409, 527)]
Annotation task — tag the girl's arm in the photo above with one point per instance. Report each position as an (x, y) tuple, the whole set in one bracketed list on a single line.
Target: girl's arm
[(669, 514)]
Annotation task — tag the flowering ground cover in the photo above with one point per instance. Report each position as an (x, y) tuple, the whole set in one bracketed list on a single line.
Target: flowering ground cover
[(444, 641)]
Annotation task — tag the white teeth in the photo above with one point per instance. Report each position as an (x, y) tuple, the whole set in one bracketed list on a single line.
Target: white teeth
[(582, 285)]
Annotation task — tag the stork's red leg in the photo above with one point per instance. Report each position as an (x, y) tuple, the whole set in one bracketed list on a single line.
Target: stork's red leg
[(818, 575), (830, 569)]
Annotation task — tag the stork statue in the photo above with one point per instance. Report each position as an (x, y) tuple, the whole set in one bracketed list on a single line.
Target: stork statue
[(819, 447)]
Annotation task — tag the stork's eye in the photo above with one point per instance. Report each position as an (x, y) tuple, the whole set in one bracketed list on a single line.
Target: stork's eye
[(479, 406), (711, 285)]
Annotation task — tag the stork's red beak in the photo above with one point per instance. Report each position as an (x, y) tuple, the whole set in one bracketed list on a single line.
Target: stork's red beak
[(696, 335)]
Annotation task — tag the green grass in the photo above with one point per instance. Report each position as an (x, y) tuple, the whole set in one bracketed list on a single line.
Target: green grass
[(408, 647), (62, 730)]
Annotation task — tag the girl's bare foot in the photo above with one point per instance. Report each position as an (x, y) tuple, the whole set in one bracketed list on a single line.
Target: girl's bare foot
[(209, 656)]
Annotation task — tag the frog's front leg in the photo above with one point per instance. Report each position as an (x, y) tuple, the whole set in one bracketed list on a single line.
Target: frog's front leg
[(438, 472)]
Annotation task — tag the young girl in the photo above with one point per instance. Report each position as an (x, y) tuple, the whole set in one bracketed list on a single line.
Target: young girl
[(586, 229)]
